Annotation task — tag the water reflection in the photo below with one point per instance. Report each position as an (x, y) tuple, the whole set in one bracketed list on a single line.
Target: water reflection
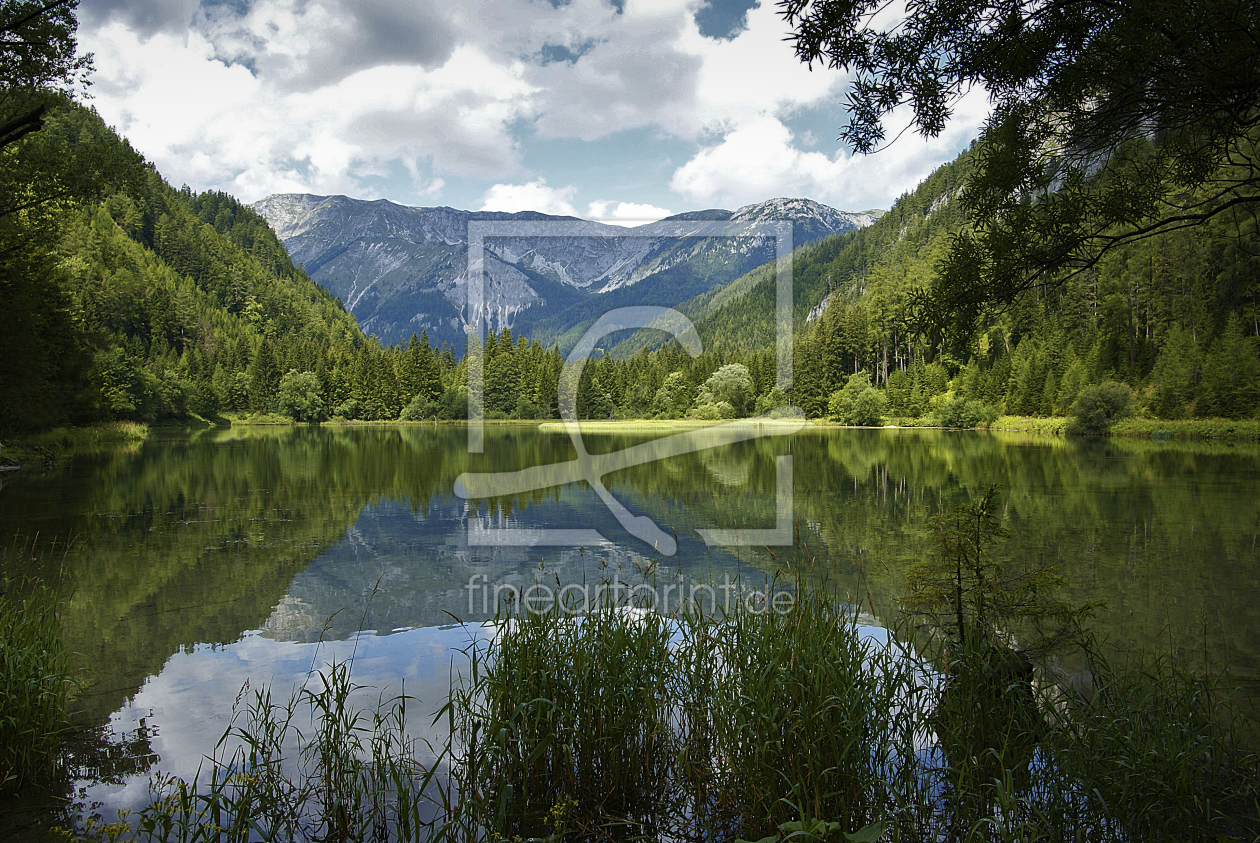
[(200, 561)]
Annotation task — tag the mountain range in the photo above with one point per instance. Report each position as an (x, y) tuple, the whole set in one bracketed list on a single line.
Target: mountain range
[(402, 270)]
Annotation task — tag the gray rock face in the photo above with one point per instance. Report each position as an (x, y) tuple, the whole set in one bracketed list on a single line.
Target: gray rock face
[(401, 269)]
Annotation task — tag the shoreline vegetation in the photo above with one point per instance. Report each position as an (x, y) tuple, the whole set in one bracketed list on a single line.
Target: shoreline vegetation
[(747, 725), (48, 447), (798, 724), (165, 306)]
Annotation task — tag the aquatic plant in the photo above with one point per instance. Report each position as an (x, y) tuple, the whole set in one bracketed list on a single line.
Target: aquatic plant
[(34, 682), (779, 719)]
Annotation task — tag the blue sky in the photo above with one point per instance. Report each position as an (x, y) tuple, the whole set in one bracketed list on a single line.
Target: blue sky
[(623, 111)]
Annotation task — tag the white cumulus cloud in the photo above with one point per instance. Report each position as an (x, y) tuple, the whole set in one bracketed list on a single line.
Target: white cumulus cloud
[(763, 159), (533, 196), (416, 99), (217, 125), (627, 214)]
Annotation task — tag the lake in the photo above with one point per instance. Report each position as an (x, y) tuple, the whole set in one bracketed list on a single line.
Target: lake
[(197, 562)]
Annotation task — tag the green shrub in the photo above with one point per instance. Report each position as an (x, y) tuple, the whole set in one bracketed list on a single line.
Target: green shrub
[(454, 403), (300, 397), (732, 385), (964, 413), (348, 409), (712, 412), (526, 409), (1099, 406), (858, 403), (770, 401), (421, 407)]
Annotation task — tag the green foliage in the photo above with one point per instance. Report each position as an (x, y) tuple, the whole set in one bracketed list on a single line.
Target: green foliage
[(673, 398), (713, 411), (731, 385), (1149, 737), (858, 403), (34, 683), (768, 403), (1188, 428), (420, 408), (1065, 127), (454, 403), (356, 775), (615, 716), (1048, 424), (976, 598), (1174, 375), (1230, 387), (822, 830), (135, 301), (536, 737), (300, 397), (1099, 406), (964, 413), (347, 410)]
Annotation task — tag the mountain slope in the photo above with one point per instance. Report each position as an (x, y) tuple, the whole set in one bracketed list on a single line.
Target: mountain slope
[(402, 270), (154, 303)]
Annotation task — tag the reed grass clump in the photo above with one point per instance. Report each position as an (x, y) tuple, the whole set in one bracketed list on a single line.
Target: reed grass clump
[(309, 767), (798, 724), (778, 720), (34, 683), (622, 724), (566, 727)]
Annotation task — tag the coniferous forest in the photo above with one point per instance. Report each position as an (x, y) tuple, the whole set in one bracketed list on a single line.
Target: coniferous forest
[(139, 301)]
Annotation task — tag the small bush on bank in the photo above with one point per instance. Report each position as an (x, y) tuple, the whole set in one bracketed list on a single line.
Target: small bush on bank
[(964, 413), (858, 403), (421, 407), (1099, 406), (712, 412)]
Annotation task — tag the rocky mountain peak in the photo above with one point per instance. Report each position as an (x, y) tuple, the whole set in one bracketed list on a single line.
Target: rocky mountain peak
[(401, 269)]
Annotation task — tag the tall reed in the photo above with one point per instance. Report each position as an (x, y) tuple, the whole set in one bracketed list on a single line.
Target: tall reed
[(798, 724), (565, 726), (774, 722), (353, 776), (34, 682), (624, 724)]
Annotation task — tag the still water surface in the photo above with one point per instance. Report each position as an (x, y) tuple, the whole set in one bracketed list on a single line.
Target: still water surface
[(199, 562)]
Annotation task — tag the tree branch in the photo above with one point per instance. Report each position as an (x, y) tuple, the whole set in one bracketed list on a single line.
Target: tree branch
[(48, 7), (18, 127)]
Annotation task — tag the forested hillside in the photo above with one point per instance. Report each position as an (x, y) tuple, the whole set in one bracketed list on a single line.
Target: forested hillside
[(144, 302), (133, 300), (1174, 317)]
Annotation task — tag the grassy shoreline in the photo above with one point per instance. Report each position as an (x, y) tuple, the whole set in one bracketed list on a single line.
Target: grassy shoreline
[(778, 725), (50, 445)]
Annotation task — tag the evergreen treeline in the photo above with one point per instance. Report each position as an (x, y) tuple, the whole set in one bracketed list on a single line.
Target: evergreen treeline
[(1175, 318), (151, 303)]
